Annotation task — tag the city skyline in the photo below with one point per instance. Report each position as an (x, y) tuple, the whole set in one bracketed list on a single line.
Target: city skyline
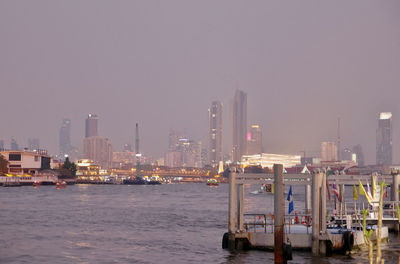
[(161, 67)]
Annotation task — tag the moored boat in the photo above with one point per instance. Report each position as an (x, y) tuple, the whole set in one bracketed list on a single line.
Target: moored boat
[(212, 182)]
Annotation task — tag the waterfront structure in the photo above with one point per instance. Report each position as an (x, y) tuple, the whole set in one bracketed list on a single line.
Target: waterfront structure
[(64, 140), (384, 139), (239, 125), (357, 151), (215, 133), (87, 169), (269, 159), (27, 162), (98, 149), (33, 143), (254, 140), (329, 151), (91, 126)]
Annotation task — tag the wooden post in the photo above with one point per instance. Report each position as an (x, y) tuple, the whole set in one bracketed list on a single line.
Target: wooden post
[(232, 203), (240, 201), (315, 214), (279, 207)]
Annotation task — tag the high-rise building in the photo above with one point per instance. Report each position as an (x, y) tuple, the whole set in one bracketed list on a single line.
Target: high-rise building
[(254, 140), (173, 139), (384, 139), (215, 133), (91, 126), (239, 126), (14, 145), (329, 151), (33, 144), (357, 150), (1, 144), (98, 149), (64, 140)]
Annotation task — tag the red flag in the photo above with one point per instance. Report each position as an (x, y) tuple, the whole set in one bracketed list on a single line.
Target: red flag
[(327, 187)]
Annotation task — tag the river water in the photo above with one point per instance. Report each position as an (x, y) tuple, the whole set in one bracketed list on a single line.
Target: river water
[(173, 223)]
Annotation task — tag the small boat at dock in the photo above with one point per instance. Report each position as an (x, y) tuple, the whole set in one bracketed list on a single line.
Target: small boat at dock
[(61, 185), (212, 182)]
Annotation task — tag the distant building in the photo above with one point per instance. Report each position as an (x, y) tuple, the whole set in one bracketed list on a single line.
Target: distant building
[(14, 145), (91, 129), (64, 139), (173, 139), (268, 160), (123, 159), (1, 144), (27, 162), (127, 148), (328, 151), (357, 150), (239, 126), (215, 133), (254, 140), (33, 143), (173, 158), (346, 154), (98, 149), (384, 139)]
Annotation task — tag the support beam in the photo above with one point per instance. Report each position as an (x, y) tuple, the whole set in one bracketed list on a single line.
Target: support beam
[(308, 198), (323, 202), (395, 195), (232, 203), (279, 207), (315, 213), (240, 206)]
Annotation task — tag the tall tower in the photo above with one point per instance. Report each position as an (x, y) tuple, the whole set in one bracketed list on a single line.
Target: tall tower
[(239, 125), (215, 133), (91, 126), (384, 139), (65, 138)]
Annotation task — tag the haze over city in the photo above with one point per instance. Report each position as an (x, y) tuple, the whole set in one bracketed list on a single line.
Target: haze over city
[(162, 63)]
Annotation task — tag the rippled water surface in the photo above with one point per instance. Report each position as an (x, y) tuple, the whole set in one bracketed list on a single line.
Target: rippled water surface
[(176, 223)]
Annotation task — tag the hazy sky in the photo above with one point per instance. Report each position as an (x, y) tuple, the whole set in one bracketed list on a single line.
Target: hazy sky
[(302, 64)]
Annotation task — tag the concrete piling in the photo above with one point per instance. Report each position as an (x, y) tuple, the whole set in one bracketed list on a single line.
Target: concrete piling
[(240, 207), (395, 195), (279, 207), (315, 213)]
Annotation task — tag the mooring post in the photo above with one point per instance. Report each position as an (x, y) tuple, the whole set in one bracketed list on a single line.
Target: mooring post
[(315, 213), (240, 201), (395, 195), (279, 208)]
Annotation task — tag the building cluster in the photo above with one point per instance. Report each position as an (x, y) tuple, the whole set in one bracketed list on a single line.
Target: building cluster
[(246, 148), (183, 152)]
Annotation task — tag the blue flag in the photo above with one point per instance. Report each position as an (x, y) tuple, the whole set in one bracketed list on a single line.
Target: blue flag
[(290, 199)]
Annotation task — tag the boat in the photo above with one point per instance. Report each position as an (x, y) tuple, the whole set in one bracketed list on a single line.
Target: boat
[(61, 185), (265, 188), (36, 184), (212, 182)]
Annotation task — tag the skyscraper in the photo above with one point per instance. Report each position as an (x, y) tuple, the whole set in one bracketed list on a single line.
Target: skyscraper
[(64, 139), (254, 140), (239, 125), (33, 143), (91, 126), (14, 144), (357, 150), (215, 133), (98, 149), (1, 144), (329, 151), (384, 139)]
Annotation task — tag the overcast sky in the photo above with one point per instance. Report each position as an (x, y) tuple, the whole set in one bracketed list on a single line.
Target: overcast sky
[(302, 64)]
